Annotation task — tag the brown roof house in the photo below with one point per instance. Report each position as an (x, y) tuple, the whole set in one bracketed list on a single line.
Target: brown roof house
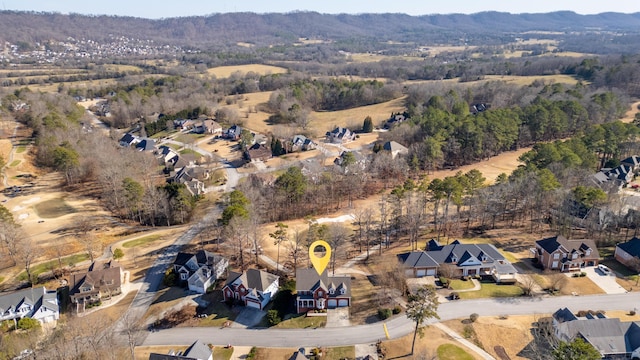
[(559, 253), (258, 152), (255, 288), (103, 280), (318, 292)]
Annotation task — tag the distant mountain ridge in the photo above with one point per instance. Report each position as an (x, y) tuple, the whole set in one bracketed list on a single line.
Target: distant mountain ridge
[(231, 28)]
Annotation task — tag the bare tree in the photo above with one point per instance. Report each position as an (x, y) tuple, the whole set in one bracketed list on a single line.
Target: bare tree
[(557, 281), (337, 236), (10, 236), (83, 229), (28, 251)]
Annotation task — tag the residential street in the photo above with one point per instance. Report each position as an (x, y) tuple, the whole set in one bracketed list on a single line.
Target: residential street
[(397, 327)]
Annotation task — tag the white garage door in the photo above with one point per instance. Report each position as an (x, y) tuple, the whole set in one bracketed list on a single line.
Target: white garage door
[(332, 303), (253, 304), (343, 302), (408, 273), (431, 272), (421, 272)]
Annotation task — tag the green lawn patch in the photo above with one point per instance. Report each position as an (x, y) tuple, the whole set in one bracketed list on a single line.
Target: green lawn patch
[(1, 279), (222, 353), (175, 146), (452, 352), (186, 138), (140, 241), (492, 290), (21, 149), (340, 352), (14, 163), (460, 284), (53, 264), (189, 151), (218, 312), (51, 209), (301, 321)]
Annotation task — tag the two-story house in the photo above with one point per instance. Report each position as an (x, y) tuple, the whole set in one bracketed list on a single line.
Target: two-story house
[(35, 303), (102, 280), (255, 288), (200, 270), (462, 259), (318, 292), (628, 253), (340, 135), (559, 253)]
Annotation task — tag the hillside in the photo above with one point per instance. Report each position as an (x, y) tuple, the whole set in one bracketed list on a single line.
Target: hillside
[(230, 29)]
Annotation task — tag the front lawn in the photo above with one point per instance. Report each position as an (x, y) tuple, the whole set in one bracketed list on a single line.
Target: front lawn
[(53, 264), (222, 353), (493, 290), (218, 312), (460, 284), (301, 321)]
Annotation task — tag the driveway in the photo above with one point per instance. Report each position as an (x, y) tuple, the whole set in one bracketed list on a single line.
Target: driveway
[(338, 317), (606, 282), (248, 317)]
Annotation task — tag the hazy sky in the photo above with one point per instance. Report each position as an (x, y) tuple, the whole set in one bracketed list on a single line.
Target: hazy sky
[(165, 8)]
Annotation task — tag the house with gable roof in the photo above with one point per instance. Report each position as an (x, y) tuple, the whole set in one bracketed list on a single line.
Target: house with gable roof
[(200, 270), (318, 292), (468, 260), (197, 351), (395, 149), (628, 253), (102, 280), (35, 303), (255, 288), (559, 253), (301, 143), (340, 135), (614, 339)]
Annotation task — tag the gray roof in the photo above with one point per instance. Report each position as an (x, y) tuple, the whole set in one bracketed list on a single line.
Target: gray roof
[(253, 279), (394, 146), (631, 247), (446, 253), (308, 279), (197, 351), (35, 297), (417, 259)]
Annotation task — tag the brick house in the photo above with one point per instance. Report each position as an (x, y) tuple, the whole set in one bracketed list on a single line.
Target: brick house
[(559, 253), (255, 288), (317, 292), (628, 253)]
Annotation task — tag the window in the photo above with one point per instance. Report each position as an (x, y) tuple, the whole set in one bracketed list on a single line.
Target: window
[(332, 291), (320, 293), (343, 291), (556, 256), (588, 252), (575, 256), (183, 276)]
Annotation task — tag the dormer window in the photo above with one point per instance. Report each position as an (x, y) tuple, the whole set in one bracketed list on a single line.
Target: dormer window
[(483, 258), (332, 291), (320, 293), (343, 291), (454, 258), (588, 252)]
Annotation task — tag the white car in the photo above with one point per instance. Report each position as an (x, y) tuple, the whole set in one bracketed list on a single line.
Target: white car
[(604, 269)]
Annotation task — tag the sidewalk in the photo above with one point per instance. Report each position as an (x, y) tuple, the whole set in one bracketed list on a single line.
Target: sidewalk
[(485, 355)]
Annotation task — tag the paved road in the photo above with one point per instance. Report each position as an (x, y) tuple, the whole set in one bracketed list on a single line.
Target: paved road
[(398, 326)]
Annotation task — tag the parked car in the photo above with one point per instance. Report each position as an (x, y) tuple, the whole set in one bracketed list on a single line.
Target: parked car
[(604, 269)]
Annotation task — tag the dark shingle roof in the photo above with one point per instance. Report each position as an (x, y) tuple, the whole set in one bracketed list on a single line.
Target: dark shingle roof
[(308, 279), (417, 259), (631, 247), (553, 243), (182, 258)]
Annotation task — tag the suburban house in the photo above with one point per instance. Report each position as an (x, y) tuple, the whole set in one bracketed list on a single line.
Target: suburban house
[(462, 259), (258, 152), (197, 351), (35, 303), (317, 292), (128, 140), (614, 339), (233, 132), (395, 119), (621, 175), (253, 287), (192, 176), (395, 149), (200, 270), (559, 253), (632, 161), (301, 143), (103, 280), (167, 155), (360, 160), (340, 135), (146, 145), (208, 126), (628, 253)]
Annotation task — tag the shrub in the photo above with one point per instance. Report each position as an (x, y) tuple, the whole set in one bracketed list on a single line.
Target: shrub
[(252, 353), (632, 312), (576, 275), (444, 281), (28, 324), (473, 317), (118, 253), (273, 317), (397, 309), (170, 278), (468, 332), (583, 274), (384, 313)]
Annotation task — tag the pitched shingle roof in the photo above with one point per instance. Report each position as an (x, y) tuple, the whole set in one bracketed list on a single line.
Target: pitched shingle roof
[(417, 259), (553, 243), (631, 247), (308, 279)]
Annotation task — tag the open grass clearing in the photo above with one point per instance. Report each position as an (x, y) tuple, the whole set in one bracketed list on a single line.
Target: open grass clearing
[(226, 71), (492, 290), (189, 152), (528, 80), (15, 163), (452, 352), (426, 345), (457, 284), (38, 269), (53, 208), (20, 149), (140, 241), (364, 295)]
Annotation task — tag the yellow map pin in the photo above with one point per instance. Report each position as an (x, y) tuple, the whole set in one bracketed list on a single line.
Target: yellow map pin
[(320, 263)]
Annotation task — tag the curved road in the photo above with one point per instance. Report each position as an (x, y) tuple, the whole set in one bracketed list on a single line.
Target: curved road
[(397, 327)]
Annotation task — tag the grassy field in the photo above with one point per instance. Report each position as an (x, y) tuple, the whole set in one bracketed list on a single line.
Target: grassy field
[(452, 352), (54, 208), (53, 264), (492, 290), (222, 353), (460, 284), (21, 149), (140, 241), (226, 71), (15, 163), (528, 80)]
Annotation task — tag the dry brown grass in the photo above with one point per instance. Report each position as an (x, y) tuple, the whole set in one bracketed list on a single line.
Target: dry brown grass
[(364, 57), (427, 344), (226, 71), (528, 80)]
